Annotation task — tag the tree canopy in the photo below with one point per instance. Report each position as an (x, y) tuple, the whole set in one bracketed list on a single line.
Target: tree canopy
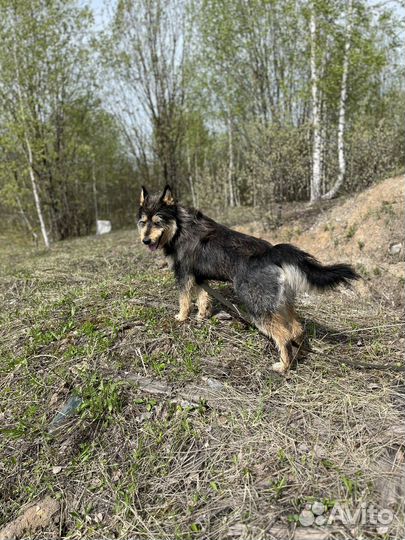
[(232, 102)]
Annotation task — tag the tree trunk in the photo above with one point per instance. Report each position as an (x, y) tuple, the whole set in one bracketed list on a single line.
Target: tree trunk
[(35, 190), (190, 179), (95, 196), (27, 221), (316, 121), (342, 109), (28, 149), (231, 166)]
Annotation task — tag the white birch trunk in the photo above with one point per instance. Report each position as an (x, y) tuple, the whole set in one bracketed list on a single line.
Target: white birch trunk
[(35, 190), (27, 221), (190, 179), (342, 108), (231, 167), (316, 121), (95, 194)]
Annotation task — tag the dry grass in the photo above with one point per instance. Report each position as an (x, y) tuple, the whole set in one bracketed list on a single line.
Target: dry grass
[(224, 447)]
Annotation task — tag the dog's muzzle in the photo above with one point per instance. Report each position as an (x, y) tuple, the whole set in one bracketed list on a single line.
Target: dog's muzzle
[(151, 246)]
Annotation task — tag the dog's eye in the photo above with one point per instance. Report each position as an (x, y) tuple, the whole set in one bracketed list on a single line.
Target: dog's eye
[(142, 222)]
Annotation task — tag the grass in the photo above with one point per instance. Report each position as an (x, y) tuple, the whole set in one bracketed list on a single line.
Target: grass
[(229, 449)]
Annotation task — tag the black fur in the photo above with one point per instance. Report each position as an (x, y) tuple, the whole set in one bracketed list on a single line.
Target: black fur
[(266, 278), (206, 250)]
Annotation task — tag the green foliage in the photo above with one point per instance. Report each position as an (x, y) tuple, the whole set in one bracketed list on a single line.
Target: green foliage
[(212, 96), (49, 107), (101, 398)]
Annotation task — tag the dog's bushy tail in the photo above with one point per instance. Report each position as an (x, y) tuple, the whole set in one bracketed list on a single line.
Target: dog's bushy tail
[(303, 272)]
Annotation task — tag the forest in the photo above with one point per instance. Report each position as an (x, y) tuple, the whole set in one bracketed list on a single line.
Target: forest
[(233, 103)]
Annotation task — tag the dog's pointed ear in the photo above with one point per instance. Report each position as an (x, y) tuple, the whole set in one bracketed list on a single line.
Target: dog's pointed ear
[(144, 195), (167, 196)]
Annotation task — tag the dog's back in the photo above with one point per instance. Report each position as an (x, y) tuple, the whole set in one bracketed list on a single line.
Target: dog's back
[(266, 278)]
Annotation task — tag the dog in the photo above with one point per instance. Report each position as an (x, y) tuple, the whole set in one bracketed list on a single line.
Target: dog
[(265, 277)]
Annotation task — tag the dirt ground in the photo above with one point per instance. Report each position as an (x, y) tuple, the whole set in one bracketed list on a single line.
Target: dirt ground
[(132, 425)]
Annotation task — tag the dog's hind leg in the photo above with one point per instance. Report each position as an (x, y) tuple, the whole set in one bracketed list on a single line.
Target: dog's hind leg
[(279, 327), (204, 304), (297, 331)]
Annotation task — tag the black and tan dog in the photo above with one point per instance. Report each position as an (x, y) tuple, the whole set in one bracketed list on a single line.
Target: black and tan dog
[(266, 278)]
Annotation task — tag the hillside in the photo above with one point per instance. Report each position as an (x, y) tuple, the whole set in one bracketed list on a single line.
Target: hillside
[(366, 229), (183, 430)]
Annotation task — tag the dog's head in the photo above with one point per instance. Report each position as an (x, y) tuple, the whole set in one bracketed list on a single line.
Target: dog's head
[(157, 218)]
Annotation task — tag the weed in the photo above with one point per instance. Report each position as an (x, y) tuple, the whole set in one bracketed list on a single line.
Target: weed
[(278, 487), (100, 399), (351, 231)]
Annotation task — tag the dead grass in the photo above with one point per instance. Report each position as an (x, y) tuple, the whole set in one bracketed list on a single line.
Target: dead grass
[(217, 445)]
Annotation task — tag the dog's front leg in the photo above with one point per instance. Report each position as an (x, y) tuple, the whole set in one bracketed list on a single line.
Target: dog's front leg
[(186, 290), (204, 304)]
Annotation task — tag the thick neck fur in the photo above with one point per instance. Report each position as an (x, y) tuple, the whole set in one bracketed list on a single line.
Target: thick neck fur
[(208, 250)]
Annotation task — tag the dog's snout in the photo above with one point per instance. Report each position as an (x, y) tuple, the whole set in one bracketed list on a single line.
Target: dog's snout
[(146, 241)]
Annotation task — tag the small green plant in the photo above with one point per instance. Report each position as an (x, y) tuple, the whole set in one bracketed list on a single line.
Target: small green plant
[(350, 485), (329, 503), (100, 398), (361, 244), (191, 358), (351, 231), (281, 456), (278, 487), (149, 403), (131, 293), (88, 328)]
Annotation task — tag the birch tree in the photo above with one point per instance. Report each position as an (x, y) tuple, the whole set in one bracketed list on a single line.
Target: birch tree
[(41, 87), (315, 190), (342, 106), (19, 114)]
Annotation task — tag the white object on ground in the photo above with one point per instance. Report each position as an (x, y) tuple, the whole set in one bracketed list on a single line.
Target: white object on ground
[(103, 226)]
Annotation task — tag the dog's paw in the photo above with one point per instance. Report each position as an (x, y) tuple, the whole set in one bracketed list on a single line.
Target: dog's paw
[(279, 367), (180, 317), (203, 315)]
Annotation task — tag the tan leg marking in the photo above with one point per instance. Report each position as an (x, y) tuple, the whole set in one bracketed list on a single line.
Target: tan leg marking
[(279, 328), (297, 332), (204, 304), (185, 301)]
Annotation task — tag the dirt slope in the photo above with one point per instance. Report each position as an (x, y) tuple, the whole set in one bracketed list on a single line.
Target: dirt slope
[(366, 229)]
